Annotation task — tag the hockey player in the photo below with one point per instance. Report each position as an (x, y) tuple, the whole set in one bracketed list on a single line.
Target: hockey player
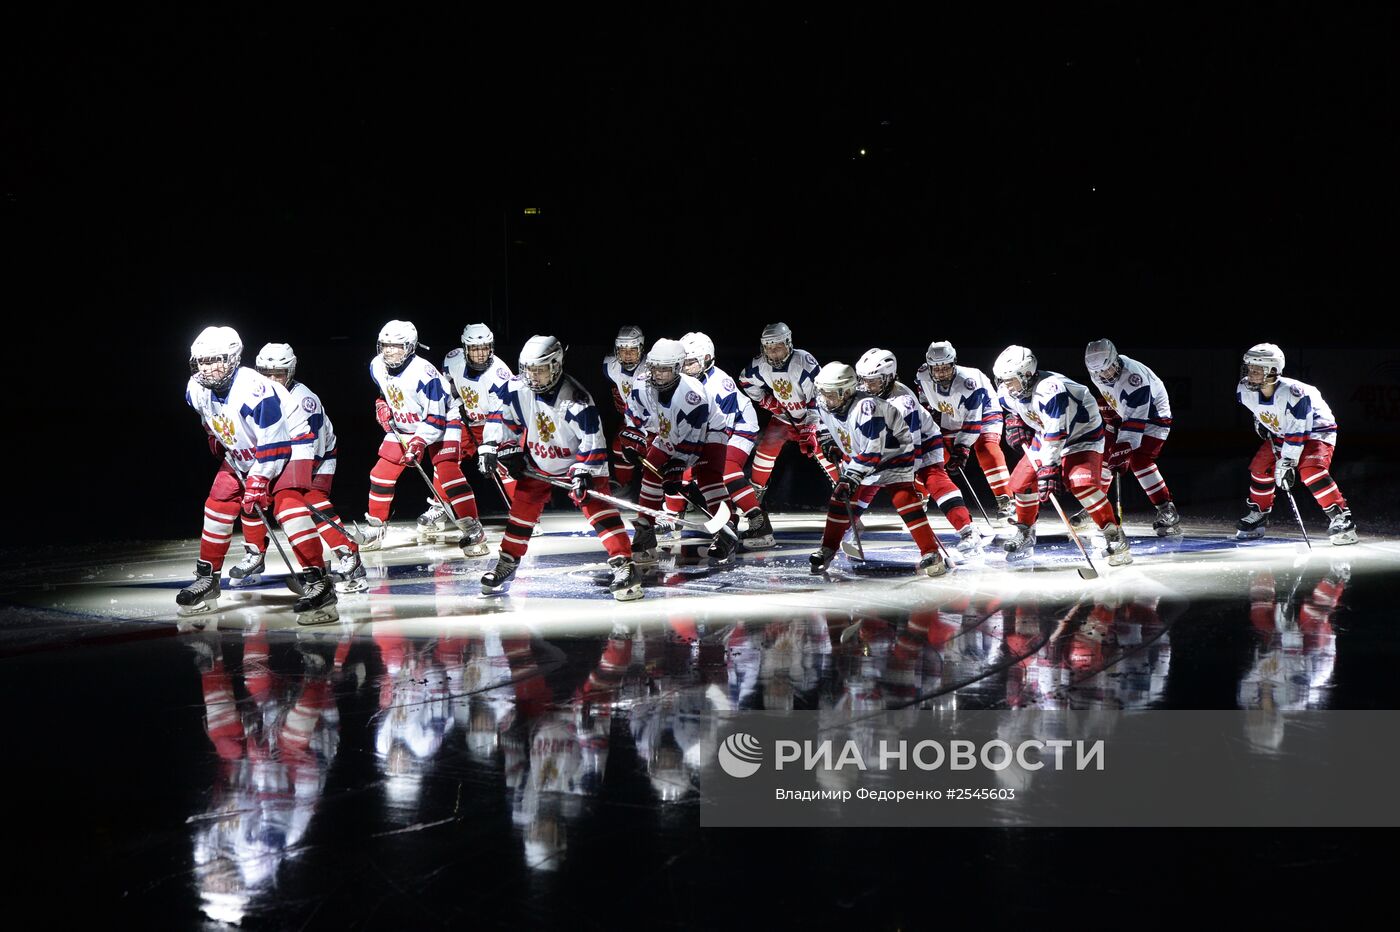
[(877, 451), (1139, 398), (740, 432), (782, 380), (964, 401), (243, 412), (687, 433), (876, 372), (623, 369), (421, 420), (1299, 435), (1060, 420), (476, 376), (561, 437), (278, 362)]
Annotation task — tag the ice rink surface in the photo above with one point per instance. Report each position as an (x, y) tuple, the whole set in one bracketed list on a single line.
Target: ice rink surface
[(443, 758)]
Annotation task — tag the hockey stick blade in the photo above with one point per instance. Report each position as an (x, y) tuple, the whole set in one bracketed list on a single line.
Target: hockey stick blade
[(850, 550)]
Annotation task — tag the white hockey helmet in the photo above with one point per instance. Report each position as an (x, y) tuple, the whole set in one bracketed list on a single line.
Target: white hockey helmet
[(699, 353), (277, 359), (215, 356), (1101, 359), (398, 341), (941, 358), (1016, 364), (479, 343), (541, 363), (1269, 360), (876, 371), (629, 346), (775, 335), (664, 363), (836, 386)]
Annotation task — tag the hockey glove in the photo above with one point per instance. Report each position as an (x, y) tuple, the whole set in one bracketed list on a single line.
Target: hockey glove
[(413, 452), (1263, 432), (383, 414), (1119, 456), (845, 487), (957, 456), (1048, 480), (579, 484), (256, 494), (486, 458), (1017, 433), (769, 403), (1285, 474), (674, 484), (807, 441), (830, 448), (511, 458)]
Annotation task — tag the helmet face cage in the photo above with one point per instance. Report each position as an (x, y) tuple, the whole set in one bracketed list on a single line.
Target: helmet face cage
[(663, 374), (628, 353), (280, 376), (778, 351), (876, 384), (697, 365), (479, 355), (1257, 373), (541, 371), (395, 354), (834, 397), (215, 372)]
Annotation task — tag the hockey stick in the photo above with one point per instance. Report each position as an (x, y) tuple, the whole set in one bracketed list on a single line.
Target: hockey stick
[(1084, 573), (660, 517), (973, 492), (854, 549), (1118, 493), (715, 523), (293, 580), (322, 516), (1288, 493)]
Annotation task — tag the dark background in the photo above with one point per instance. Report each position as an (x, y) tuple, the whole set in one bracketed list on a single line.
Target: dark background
[(1177, 180)]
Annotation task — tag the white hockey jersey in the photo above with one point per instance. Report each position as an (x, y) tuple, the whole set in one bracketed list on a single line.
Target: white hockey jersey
[(923, 429), (1140, 398), (478, 392), (622, 379), (967, 408), (250, 421), (1295, 415), (874, 441), (318, 423), (681, 422), (740, 418), (1063, 414), (793, 384), (561, 429), (418, 396)]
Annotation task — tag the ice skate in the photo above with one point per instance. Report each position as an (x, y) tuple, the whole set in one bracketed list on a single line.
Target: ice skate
[(317, 603), (933, 564), (724, 546), (969, 540), (759, 536), (202, 595), (349, 572), (1116, 546), (1341, 529), (433, 522), (626, 583), (1006, 508), (1252, 525), (644, 544), (498, 579), (1080, 520), (374, 534), (473, 542), (249, 570), (821, 560), (1168, 522), (1019, 545)]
